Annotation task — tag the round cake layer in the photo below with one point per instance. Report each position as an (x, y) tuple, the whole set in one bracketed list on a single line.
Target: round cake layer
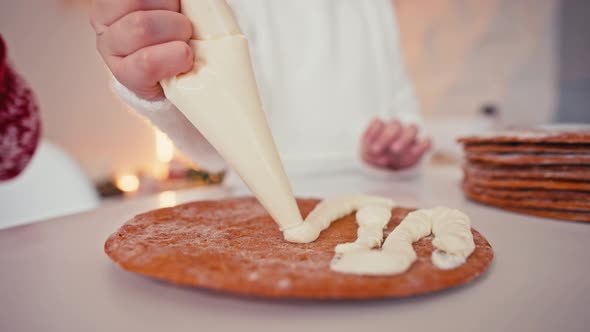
[(234, 246)]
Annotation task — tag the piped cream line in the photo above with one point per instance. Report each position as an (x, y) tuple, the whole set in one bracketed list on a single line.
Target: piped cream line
[(371, 220), (330, 210), (453, 239), (396, 255), (453, 242), (451, 228)]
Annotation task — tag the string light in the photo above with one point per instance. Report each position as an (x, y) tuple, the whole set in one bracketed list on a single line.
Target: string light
[(127, 183)]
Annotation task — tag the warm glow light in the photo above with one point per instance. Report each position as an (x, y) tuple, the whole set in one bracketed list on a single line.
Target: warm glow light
[(167, 199), (164, 147), (127, 183)]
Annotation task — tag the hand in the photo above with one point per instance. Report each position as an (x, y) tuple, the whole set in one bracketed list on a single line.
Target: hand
[(143, 42), (392, 145)]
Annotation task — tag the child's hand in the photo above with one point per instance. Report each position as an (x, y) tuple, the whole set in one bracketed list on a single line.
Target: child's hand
[(143, 42), (392, 145)]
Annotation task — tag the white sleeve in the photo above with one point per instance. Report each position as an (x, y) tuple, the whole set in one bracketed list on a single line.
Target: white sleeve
[(166, 117), (405, 109), (403, 104)]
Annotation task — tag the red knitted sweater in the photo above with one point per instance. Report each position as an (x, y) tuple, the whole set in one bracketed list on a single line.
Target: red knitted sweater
[(20, 126)]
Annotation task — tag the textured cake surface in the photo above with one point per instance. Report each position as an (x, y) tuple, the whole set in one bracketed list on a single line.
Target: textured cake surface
[(234, 246)]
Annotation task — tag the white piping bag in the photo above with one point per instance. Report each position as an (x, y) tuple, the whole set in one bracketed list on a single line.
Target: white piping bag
[(219, 96)]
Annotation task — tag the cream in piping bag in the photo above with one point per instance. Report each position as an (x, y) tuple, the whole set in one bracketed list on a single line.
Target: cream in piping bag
[(219, 96)]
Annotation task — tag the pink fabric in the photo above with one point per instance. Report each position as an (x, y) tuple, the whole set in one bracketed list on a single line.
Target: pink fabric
[(20, 124)]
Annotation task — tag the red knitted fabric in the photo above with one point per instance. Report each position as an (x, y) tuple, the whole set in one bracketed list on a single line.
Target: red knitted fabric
[(20, 125)]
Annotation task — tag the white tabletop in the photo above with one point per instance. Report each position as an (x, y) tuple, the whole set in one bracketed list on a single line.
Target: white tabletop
[(54, 275)]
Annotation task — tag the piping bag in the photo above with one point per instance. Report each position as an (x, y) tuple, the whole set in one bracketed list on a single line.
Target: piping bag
[(219, 96)]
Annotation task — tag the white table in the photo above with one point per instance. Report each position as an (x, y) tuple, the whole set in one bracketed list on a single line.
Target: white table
[(54, 276)]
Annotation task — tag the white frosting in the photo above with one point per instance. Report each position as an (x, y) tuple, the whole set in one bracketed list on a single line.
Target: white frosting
[(327, 212), (445, 261), (451, 228), (396, 255), (371, 220), (453, 239)]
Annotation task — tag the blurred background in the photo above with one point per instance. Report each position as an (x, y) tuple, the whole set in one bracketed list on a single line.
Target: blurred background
[(475, 64)]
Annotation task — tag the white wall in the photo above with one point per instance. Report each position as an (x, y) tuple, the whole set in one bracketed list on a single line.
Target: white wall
[(464, 54), (52, 46)]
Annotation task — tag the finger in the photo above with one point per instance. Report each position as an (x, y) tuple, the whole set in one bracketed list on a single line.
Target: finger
[(142, 71), (421, 147), (107, 12), (373, 131), (389, 133), (376, 160), (144, 28), (413, 156), (405, 139)]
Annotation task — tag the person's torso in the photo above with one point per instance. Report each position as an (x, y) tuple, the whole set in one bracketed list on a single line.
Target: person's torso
[(323, 68)]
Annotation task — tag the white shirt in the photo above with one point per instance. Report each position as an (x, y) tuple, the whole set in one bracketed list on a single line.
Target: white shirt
[(325, 68)]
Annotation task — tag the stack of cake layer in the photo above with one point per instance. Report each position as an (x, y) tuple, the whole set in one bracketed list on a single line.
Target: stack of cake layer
[(539, 172)]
